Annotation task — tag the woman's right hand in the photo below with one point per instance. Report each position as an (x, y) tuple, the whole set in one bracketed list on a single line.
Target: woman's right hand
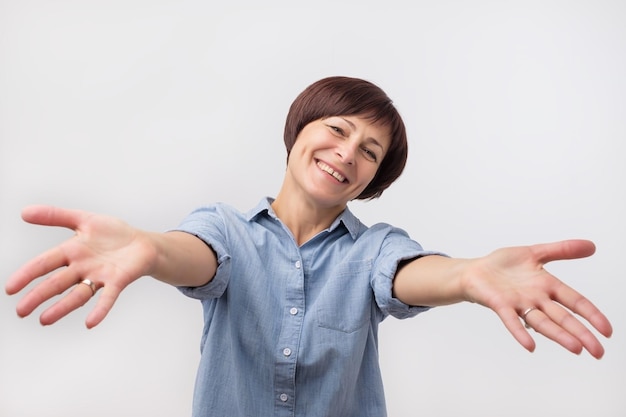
[(104, 250)]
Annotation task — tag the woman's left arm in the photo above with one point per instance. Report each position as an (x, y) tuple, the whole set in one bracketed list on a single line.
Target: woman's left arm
[(513, 283)]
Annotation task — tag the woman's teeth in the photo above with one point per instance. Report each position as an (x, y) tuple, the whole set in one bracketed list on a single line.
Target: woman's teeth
[(332, 172)]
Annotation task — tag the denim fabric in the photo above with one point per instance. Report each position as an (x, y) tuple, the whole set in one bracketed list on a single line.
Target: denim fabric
[(292, 330)]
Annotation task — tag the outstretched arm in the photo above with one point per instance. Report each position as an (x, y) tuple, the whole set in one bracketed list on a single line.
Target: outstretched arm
[(513, 283), (110, 254)]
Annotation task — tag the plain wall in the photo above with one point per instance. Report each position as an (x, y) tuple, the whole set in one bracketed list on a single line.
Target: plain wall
[(147, 109)]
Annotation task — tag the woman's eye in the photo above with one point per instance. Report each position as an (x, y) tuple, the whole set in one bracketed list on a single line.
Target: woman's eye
[(370, 155), (337, 129)]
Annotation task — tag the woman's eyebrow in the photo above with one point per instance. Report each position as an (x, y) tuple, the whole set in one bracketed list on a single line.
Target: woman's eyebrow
[(352, 125), (374, 142)]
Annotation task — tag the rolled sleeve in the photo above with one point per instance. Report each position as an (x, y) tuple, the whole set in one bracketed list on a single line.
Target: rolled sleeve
[(207, 224), (397, 247)]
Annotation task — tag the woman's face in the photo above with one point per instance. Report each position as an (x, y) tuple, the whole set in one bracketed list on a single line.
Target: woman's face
[(334, 159)]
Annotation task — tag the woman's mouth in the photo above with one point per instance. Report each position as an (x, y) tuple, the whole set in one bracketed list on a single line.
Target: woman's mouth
[(324, 167)]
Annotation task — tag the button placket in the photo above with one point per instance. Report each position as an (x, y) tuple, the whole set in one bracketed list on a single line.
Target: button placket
[(287, 343)]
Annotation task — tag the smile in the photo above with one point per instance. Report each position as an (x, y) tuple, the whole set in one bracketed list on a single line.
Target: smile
[(331, 171)]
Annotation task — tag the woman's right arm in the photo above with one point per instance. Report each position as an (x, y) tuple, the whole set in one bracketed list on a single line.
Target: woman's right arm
[(109, 253)]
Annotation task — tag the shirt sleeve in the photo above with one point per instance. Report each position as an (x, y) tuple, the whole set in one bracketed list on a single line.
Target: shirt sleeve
[(396, 247), (207, 223)]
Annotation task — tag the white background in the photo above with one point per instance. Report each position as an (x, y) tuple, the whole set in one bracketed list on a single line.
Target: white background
[(146, 109)]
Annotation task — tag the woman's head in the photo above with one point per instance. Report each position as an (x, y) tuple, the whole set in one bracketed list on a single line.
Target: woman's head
[(345, 96)]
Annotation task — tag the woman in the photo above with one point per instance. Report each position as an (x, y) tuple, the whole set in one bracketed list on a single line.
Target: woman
[(293, 290)]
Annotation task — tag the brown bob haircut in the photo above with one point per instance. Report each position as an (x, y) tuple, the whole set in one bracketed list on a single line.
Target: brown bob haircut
[(345, 96)]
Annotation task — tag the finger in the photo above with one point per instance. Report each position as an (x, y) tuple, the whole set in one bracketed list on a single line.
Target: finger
[(577, 330), (566, 249), (55, 285), (37, 267), (512, 322), (53, 216), (76, 298), (105, 303), (543, 324), (580, 305)]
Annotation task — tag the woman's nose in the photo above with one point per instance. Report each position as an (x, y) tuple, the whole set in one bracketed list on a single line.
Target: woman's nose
[(346, 151)]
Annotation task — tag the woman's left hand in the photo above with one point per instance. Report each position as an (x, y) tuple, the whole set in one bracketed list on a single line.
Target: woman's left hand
[(514, 284)]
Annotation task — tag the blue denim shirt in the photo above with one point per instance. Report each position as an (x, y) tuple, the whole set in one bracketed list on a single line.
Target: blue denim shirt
[(292, 330)]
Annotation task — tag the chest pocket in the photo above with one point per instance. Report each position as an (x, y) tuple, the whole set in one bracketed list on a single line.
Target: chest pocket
[(344, 304)]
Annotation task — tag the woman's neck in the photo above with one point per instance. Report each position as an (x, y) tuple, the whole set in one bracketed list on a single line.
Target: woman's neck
[(303, 217)]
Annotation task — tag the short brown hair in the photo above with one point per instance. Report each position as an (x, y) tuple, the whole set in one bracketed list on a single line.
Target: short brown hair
[(345, 96)]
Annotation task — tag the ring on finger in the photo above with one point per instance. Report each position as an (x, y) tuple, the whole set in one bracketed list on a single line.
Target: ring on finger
[(90, 284), (525, 313)]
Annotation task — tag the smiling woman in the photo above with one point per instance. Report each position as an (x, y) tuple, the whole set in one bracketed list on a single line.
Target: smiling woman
[(343, 150), (346, 96), (293, 291)]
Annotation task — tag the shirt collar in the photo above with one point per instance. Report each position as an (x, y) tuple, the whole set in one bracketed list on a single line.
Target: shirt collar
[(346, 218)]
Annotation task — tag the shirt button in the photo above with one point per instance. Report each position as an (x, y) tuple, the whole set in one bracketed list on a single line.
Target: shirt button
[(298, 264), (293, 311), (284, 397), (286, 351)]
